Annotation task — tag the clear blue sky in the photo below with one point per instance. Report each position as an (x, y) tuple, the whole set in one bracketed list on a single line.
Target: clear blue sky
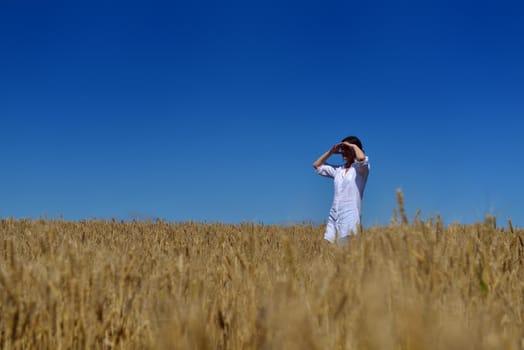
[(215, 110)]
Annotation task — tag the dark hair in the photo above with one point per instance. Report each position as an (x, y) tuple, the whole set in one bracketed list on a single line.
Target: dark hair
[(354, 140)]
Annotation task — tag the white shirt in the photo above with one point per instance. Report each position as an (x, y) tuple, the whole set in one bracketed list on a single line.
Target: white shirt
[(345, 212)]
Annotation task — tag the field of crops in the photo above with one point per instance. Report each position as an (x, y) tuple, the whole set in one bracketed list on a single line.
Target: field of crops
[(157, 285)]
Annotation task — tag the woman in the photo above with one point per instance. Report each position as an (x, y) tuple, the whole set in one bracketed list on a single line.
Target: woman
[(350, 181)]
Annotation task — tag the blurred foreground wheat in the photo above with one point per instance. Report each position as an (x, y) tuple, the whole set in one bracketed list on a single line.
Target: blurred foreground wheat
[(155, 285)]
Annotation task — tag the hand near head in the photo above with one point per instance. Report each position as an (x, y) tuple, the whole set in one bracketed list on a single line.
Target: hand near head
[(336, 149), (339, 148), (359, 154)]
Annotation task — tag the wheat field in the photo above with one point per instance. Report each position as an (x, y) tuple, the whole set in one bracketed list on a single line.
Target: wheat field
[(105, 284)]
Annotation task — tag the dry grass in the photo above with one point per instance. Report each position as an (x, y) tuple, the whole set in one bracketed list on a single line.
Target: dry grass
[(156, 285)]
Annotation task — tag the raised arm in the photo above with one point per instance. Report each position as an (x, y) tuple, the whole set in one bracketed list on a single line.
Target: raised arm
[(359, 154), (322, 159)]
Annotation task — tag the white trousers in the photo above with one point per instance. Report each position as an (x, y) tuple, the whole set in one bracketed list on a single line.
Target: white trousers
[(341, 224)]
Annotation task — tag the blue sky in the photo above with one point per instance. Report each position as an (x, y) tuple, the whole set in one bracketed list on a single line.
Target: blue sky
[(215, 110)]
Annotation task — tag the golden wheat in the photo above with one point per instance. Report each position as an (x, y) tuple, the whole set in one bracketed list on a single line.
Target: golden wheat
[(154, 285)]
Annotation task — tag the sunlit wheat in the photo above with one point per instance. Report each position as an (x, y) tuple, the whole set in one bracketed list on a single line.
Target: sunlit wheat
[(157, 285)]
